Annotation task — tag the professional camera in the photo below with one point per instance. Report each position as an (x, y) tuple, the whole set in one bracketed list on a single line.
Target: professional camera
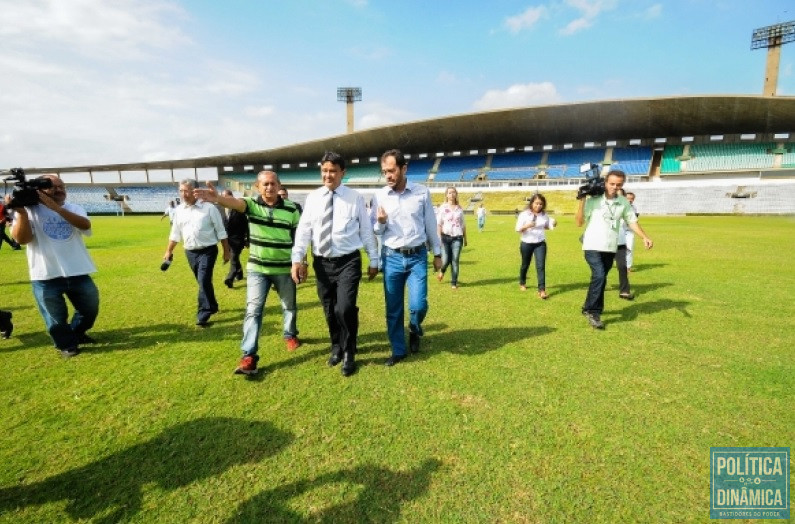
[(594, 184), (27, 191)]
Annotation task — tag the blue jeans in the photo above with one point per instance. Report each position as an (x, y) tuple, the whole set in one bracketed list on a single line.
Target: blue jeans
[(527, 250), (202, 262), (84, 296), (600, 263), (451, 254), (399, 271), (257, 287)]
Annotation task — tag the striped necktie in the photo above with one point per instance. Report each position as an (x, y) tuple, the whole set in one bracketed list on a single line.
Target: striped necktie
[(324, 249)]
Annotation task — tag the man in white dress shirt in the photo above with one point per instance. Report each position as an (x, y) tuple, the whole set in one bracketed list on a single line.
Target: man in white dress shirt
[(337, 259), (199, 226)]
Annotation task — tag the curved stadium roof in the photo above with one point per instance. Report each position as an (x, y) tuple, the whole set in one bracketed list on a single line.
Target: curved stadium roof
[(620, 120)]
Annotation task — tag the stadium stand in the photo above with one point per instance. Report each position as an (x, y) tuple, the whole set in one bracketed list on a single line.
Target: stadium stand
[(569, 160), (670, 159), (632, 160), (147, 199), (729, 157), (362, 174), (788, 158), (94, 199), (711, 197), (418, 169), (514, 166), (451, 169)]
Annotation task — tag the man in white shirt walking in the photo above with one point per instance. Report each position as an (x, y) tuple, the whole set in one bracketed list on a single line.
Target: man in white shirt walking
[(199, 226), (336, 222)]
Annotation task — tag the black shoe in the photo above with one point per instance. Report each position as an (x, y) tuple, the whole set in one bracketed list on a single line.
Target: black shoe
[(202, 323), (6, 326), (228, 283), (71, 352), (414, 342), (348, 365), (239, 276), (594, 320), (394, 359), (627, 296), (336, 357), (85, 339)]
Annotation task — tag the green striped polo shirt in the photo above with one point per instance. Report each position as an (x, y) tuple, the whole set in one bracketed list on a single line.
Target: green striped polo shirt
[(271, 231)]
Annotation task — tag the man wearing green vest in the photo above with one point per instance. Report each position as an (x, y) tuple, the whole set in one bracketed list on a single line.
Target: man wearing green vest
[(272, 222)]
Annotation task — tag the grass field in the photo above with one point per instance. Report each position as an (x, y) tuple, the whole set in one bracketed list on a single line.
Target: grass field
[(515, 411)]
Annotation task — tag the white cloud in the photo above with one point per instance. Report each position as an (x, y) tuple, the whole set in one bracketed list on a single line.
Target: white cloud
[(589, 11), (378, 115), (654, 11), (446, 78), (518, 95), (122, 29), (258, 111), (525, 20)]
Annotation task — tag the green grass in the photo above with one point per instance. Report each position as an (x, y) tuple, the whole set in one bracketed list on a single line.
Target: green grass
[(515, 411)]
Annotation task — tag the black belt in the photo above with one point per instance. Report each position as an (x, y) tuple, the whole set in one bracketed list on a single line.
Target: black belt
[(342, 258), (202, 249), (409, 250)]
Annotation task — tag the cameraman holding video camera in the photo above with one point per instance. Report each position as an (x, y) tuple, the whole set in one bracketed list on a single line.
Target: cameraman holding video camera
[(602, 212), (59, 263)]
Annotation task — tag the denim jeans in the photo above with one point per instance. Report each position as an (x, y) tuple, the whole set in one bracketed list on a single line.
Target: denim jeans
[(527, 250), (202, 262), (50, 296), (399, 271), (451, 254), (257, 287), (600, 263)]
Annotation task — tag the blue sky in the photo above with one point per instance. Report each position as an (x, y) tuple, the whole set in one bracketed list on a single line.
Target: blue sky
[(116, 81)]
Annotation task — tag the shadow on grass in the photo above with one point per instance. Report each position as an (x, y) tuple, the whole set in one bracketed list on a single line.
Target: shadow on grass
[(379, 498), (637, 309), (646, 267), (110, 489), (468, 342)]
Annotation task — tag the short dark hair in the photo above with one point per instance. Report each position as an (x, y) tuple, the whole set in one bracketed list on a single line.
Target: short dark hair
[(400, 160), (618, 173), (538, 196), (334, 158)]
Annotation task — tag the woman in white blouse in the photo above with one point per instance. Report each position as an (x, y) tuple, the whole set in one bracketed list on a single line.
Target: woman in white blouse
[(532, 223), (453, 232)]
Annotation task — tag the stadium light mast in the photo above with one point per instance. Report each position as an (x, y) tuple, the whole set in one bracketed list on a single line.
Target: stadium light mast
[(772, 37), (349, 95)]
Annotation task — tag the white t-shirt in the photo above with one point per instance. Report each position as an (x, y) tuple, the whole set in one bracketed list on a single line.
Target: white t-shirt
[(535, 234), (57, 249)]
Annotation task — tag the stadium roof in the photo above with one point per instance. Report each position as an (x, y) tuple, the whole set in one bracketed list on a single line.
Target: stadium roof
[(646, 119)]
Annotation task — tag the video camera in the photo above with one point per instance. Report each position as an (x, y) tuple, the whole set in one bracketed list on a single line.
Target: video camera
[(594, 184), (27, 191)]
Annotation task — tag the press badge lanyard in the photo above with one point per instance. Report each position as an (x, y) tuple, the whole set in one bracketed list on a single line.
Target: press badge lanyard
[(613, 221)]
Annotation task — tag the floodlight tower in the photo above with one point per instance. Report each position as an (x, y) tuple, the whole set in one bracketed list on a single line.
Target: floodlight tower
[(349, 95), (772, 37)]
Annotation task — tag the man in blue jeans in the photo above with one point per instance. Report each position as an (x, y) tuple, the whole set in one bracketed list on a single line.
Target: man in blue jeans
[(603, 215), (59, 265), (405, 218)]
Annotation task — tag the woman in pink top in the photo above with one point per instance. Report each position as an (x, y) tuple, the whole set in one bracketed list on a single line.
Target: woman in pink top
[(453, 232)]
